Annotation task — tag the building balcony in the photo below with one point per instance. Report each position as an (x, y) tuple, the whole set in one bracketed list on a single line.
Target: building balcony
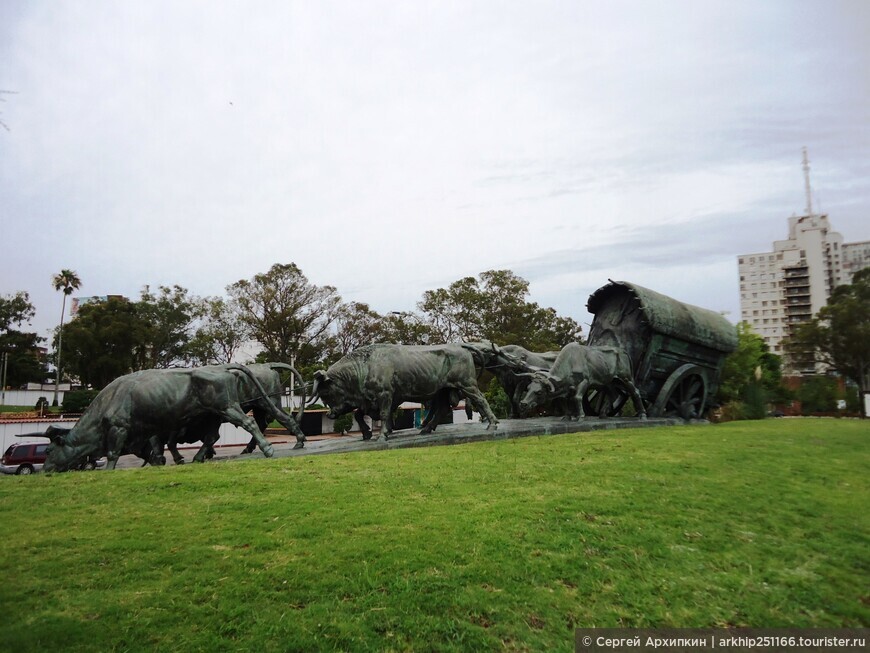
[(801, 271)]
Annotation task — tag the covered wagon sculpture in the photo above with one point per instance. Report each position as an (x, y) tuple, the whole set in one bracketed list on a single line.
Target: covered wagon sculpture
[(676, 350)]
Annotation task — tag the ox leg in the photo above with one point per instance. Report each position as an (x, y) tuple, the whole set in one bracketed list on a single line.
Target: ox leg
[(205, 452), (438, 407), (360, 416), (177, 458), (635, 397), (211, 434), (260, 418), (515, 399), (156, 453), (172, 445), (115, 445), (237, 417), (289, 422), (473, 393), (435, 415), (386, 413), (582, 387), (430, 414)]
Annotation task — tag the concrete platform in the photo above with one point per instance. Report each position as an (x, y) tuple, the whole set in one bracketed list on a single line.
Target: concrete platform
[(447, 434)]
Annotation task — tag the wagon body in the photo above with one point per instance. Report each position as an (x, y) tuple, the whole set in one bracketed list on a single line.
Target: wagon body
[(677, 350)]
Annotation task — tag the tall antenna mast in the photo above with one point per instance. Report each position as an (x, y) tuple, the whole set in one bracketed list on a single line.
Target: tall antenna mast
[(807, 184)]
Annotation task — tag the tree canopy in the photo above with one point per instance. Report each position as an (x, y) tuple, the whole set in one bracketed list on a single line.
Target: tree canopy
[(220, 333), (109, 338), (103, 341), (290, 317), (839, 334), (168, 322), (287, 314), (751, 372), (495, 307), (24, 362)]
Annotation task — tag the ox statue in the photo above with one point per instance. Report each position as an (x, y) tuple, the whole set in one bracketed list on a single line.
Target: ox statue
[(140, 412), (511, 365), (576, 370), (375, 379)]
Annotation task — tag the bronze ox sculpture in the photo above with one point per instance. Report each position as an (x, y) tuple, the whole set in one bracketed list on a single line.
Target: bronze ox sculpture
[(576, 370), (376, 379), (665, 356), (141, 412)]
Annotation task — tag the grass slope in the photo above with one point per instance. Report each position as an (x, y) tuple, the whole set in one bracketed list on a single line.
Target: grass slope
[(490, 546)]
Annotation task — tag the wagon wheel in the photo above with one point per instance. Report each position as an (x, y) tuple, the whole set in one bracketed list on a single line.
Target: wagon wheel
[(597, 400), (684, 394)]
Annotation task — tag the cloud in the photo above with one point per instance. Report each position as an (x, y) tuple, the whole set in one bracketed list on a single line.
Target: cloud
[(392, 148)]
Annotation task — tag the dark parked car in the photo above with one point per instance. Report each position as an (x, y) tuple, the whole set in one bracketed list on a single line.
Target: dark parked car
[(27, 458)]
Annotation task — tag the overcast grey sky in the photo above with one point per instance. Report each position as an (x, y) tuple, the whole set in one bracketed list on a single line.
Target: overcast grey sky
[(388, 148)]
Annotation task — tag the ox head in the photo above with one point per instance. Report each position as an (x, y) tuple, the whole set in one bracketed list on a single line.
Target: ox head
[(540, 389), (324, 387), (63, 454)]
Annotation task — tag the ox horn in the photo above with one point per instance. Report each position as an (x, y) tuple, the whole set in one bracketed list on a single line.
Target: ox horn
[(320, 376), (56, 434), (548, 378)]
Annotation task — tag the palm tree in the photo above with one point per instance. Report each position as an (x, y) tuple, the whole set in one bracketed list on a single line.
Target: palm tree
[(67, 281)]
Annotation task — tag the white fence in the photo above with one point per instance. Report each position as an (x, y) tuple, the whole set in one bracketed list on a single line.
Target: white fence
[(28, 397)]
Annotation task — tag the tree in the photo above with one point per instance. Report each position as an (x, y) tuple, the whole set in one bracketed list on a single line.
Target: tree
[(168, 318), (15, 309), (817, 394), (22, 348), (751, 373), (288, 315), (407, 329), (104, 341), (356, 324), (68, 282), (839, 334), (220, 334), (494, 307)]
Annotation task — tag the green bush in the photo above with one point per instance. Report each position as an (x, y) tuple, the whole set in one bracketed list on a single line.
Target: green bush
[(732, 411), (853, 399), (497, 399), (76, 401), (817, 394), (343, 423), (755, 403)]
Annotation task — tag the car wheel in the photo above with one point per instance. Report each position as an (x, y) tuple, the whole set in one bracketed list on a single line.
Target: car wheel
[(88, 466), (24, 469)]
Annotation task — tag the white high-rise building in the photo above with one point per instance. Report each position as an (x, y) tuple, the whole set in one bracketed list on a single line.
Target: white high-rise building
[(782, 288)]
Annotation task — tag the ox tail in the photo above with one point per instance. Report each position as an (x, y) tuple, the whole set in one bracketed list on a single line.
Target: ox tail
[(265, 395)]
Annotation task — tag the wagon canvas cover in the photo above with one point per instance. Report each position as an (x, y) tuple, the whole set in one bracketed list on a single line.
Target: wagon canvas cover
[(667, 316)]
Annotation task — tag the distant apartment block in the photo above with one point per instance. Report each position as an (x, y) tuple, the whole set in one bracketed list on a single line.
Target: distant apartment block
[(782, 288)]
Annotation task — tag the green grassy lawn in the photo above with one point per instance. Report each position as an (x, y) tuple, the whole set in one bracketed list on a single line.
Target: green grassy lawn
[(490, 546)]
